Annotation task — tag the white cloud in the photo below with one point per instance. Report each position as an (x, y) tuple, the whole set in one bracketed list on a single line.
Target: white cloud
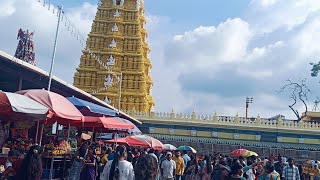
[(206, 47), (7, 8), (29, 14), (269, 15), (242, 59), (247, 56), (263, 3), (308, 38)]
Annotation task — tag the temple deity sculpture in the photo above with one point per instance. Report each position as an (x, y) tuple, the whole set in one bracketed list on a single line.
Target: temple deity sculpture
[(116, 14), (138, 4), (121, 2), (111, 61), (113, 44), (107, 100), (149, 71), (108, 81), (150, 90), (115, 28)]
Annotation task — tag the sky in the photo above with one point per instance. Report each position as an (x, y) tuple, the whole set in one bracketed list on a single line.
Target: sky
[(207, 55)]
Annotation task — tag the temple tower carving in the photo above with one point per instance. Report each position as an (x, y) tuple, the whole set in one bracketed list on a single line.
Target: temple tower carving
[(119, 39)]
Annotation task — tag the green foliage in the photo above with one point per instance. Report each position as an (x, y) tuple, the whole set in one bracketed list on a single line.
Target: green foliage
[(315, 69)]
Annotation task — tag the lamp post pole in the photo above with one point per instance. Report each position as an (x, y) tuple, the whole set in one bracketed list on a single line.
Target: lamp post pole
[(54, 47), (52, 64), (248, 101)]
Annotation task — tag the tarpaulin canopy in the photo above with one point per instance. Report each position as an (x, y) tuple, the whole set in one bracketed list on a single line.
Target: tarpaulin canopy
[(91, 109), (63, 111), (135, 129), (105, 122), (16, 107), (130, 141), (154, 143)]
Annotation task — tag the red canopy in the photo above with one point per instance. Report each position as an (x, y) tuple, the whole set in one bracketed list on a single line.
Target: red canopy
[(106, 122), (129, 141), (154, 143), (63, 111)]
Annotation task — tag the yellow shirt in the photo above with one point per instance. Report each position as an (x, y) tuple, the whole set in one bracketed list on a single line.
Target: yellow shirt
[(179, 165), (104, 159)]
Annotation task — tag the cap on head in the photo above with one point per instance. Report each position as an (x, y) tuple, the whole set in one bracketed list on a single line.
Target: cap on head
[(169, 153)]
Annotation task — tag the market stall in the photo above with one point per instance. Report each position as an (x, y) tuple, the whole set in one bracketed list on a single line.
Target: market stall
[(27, 117)]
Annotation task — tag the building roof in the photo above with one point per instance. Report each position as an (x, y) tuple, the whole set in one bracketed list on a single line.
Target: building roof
[(236, 142), (18, 75)]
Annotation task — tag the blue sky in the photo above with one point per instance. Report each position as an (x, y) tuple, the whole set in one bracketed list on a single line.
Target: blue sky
[(207, 55), (186, 13)]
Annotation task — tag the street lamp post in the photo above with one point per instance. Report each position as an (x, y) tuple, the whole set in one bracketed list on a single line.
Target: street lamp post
[(248, 101)]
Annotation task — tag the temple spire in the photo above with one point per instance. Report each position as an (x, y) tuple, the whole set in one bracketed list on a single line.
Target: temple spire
[(118, 38)]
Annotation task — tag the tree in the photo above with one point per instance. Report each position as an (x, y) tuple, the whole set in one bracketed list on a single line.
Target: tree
[(315, 69), (299, 92)]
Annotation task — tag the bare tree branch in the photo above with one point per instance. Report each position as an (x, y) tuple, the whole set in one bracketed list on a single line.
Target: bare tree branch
[(299, 91)]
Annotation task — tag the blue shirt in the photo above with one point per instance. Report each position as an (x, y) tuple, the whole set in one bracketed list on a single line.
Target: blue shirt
[(186, 159)]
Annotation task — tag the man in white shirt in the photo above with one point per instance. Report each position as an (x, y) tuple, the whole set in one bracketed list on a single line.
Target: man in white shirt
[(151, 152), (168, 168)]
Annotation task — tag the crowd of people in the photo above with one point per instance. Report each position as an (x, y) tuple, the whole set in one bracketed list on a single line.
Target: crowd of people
[(126, 163), (92, 162), (23, 166)]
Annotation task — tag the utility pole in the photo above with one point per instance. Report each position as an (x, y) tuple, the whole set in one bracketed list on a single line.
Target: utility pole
[(248, 101), (55, 46)]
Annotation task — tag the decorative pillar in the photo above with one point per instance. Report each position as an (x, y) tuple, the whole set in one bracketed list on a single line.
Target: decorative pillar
[(258, 121), (172, 114), (193, 115), (237, 119), (215, 117), (280, 122)]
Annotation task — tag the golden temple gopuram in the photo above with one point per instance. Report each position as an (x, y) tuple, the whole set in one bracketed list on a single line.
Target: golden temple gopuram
[(118, 38)]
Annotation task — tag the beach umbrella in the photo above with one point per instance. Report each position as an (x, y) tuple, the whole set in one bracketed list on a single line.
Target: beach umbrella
[(63, 111), (90, 109), (249, 154), (169, 147), (154, 143), (16, 107), (130, 141), (187, 148), (239, 152)]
